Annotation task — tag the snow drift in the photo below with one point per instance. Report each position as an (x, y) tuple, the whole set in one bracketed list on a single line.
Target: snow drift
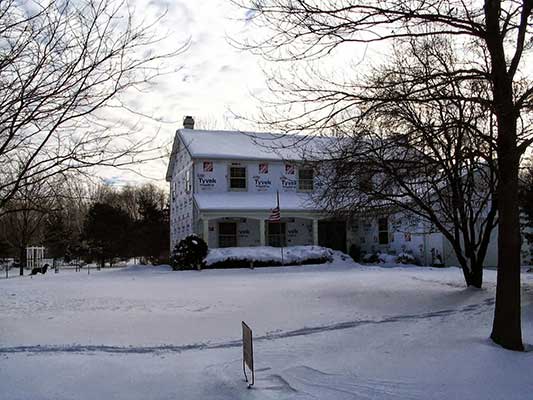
[(267, 256)]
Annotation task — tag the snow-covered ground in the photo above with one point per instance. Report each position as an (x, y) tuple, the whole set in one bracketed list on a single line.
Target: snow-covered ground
[(334, 331)]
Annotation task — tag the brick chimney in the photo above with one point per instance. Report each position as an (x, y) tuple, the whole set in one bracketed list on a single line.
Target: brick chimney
[(188, 122)]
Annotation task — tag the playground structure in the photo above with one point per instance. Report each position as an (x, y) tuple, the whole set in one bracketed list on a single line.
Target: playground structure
[(34, 257)]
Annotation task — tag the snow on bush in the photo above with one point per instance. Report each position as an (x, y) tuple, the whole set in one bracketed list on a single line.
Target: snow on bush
[(406, 258), (384, 258), (267, 256)]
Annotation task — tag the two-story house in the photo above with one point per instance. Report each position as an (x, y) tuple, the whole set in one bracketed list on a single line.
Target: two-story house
[(224, 184)]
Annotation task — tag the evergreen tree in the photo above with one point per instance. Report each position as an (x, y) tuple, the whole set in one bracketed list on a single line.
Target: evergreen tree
[(58, 238), (152, 231), (106, 230)]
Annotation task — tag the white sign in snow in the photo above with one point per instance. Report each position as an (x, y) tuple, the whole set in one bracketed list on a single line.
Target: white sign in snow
[(247, 352)]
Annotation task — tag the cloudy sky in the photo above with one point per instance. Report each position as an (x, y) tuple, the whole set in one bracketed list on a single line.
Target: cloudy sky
[(212, 79)]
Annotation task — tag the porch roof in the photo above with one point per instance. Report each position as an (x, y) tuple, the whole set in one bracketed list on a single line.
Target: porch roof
[(238, 201)]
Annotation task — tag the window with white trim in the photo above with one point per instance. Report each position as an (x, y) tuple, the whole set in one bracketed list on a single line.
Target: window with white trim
[(237, 177), (305, 179)]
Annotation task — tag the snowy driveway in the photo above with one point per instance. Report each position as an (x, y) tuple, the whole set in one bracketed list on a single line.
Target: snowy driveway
[(335, 331)]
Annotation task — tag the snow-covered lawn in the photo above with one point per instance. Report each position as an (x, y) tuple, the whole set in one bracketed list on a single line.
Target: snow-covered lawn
[(334, 331)]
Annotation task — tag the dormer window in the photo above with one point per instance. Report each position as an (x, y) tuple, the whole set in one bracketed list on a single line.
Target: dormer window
[(305, 179), (237, 177)]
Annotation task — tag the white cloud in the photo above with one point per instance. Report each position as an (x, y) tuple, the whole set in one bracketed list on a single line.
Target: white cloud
[(208, 80)]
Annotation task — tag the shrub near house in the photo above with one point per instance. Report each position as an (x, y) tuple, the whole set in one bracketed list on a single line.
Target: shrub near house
[(189, 253)]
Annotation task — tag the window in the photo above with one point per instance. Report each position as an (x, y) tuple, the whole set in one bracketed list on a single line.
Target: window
[(187, 181), (305, 179), (227, 234), (237, 178), (383, 230), (276, 234), (366, 185)]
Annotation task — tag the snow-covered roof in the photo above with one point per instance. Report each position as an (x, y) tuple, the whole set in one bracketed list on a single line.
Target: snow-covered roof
[(238, 201), (237, 145)]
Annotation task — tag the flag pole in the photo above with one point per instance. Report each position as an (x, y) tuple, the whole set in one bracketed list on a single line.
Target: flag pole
[(281, 236)]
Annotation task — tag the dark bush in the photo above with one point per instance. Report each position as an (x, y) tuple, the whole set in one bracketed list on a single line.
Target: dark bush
[(355, 252), (372, 258), (246, 263), (189, 253), (406, 258)]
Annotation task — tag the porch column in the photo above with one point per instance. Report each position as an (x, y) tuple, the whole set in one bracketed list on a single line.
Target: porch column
[(315, 231), (262, 239), (205, 229)]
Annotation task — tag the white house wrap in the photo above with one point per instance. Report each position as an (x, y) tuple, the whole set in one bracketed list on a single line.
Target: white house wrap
[(223, 187), (224, 184)]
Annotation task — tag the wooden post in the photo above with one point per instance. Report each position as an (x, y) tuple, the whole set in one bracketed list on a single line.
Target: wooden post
[(205, 229), (262, 238), (315, 232)]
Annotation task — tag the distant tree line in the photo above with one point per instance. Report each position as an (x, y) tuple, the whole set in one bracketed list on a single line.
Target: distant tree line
[(79, 222), (130, 222), (66, 67)]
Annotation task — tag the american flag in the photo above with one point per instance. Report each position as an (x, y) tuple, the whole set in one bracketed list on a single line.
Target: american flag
[(275, 213)]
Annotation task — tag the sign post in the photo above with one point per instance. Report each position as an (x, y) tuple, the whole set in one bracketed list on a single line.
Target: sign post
[(247, 353)]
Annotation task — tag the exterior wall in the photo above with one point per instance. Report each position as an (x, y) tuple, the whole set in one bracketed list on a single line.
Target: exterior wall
[(299, 231), (213, 176), (416, 239), (210, 175), (404, 237), (247, 231), (181, 203)]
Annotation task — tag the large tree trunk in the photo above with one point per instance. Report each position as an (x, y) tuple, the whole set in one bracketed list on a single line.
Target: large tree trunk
[(22, 257), (474, 275), (506, 329)]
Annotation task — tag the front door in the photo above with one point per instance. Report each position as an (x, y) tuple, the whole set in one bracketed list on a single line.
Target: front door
[(276, 234), (332, 234), (227, 234)]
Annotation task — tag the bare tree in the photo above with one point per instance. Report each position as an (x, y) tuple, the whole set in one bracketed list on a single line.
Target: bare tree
[(416, 152), (63, 67), (23, 223), (502, 30)]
